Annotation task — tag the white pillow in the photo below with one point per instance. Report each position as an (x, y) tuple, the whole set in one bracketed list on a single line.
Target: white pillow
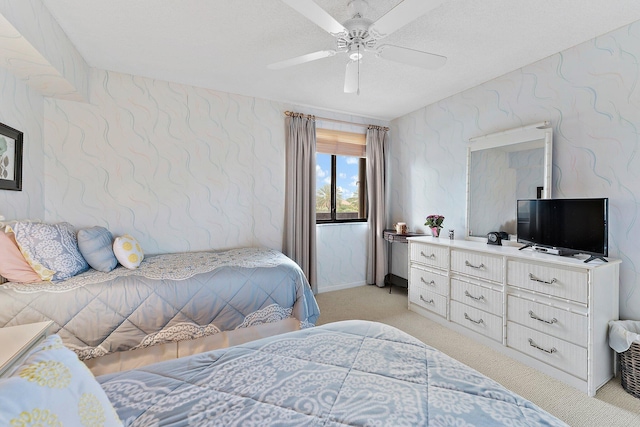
[(128, 251), (52, 387)]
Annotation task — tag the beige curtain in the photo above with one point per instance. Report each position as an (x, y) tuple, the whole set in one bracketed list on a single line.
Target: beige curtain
[(300, 194), (376, 173)]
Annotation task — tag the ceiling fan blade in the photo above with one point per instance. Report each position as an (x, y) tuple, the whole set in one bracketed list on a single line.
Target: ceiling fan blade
[(310, 10), (401, 15), (301, 59), (351, 78), (412, 57)]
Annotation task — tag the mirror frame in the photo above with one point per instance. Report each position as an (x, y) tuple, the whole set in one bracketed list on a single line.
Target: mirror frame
[(522, 135)]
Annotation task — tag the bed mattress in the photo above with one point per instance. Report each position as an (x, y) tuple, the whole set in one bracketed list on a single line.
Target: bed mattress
[(344, 373), (169, 298)]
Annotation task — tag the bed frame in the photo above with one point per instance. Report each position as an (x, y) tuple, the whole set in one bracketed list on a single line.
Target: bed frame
[(125, 360)]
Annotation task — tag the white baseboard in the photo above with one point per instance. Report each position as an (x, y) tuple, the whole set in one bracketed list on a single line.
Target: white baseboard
[(329, 288)]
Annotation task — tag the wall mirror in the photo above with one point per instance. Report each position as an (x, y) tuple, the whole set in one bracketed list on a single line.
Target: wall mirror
[(501, 168)]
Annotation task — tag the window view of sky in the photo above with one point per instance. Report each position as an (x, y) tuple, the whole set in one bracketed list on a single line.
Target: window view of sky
[(346, 173)]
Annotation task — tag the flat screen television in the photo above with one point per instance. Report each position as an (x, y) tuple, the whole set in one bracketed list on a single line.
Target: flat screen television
[(565, 226)]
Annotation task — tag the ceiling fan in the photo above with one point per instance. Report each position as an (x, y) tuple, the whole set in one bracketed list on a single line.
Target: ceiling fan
[(358, 35)]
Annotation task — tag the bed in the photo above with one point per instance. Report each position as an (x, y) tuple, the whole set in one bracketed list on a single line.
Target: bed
[(170, 306), (343, 373)]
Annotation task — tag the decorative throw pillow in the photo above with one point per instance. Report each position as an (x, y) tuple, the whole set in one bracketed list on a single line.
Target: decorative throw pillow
[(128, 251), (52, 387), (96, 246), (50, 249), (13, 266)]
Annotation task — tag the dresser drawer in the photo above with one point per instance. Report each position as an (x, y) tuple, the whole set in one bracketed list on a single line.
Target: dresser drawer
[(477, 296), (551, 350), (480, 321), (429, 281), (554, 321), (556, 281), (429, 300), (430, 255), (479, 265)]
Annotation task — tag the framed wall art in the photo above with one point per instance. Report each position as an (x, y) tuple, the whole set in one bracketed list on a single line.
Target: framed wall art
[(10, 158)]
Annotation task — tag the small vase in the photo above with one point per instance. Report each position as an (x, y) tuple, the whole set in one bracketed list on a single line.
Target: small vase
[(436, 231)]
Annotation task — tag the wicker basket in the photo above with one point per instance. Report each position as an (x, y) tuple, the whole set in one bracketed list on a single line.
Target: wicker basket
[(630, 369)]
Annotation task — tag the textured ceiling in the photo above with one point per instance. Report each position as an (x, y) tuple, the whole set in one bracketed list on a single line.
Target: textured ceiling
[(226, 45)]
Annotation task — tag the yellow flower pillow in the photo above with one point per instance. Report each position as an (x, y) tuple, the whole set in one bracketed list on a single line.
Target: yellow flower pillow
[(128, 251), (52, 387)]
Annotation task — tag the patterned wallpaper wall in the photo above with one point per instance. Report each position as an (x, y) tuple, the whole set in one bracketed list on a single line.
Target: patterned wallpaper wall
[(591, 95), (178, 167), (42, 53), (23, 109), (181, 169), (40, 59)]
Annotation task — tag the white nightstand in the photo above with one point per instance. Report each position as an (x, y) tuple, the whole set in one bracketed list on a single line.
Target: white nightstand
[(16, 341)]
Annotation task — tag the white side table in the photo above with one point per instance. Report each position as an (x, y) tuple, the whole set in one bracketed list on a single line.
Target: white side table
[(16, 341)]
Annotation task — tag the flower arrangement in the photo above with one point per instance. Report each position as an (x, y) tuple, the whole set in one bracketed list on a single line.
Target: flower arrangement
[(434, 221)]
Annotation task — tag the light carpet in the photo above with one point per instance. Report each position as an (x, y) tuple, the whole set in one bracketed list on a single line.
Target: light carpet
[(612, 406)]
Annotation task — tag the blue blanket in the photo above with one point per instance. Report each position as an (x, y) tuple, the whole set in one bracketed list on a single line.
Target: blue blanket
[(344, 373), (169, 298)]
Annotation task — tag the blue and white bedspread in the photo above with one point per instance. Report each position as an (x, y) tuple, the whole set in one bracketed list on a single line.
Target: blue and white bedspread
[(345, 373), (169, 298)]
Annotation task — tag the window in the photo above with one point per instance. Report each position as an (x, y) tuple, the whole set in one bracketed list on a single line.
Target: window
[(340, 177)]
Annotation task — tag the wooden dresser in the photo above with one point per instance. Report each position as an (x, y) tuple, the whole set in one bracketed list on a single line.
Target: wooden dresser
[(549, 312)]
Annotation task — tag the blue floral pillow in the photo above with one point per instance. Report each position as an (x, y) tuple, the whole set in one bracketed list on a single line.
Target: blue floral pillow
[(50, 249)]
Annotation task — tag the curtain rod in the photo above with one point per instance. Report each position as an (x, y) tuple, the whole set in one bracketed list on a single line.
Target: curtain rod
[(309, 116)]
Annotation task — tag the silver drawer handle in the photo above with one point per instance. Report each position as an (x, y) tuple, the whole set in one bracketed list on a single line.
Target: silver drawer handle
[(477, 322), (431, 283), (427, 301), (535, 279), (432, 256), (550, 351), (533, 316), (480, 298), (477, 267)]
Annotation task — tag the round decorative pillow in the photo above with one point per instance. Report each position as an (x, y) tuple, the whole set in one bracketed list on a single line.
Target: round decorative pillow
[(128, 251)]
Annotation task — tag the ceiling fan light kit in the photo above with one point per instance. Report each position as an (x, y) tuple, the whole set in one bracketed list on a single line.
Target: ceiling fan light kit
[(358, 35)]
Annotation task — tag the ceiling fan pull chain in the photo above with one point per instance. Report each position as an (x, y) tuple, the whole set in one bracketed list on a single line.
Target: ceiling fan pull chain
[(359, 56)]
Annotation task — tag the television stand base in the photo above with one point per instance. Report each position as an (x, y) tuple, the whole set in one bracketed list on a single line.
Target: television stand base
[(592, 257), (560, 252), (552, 251)]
